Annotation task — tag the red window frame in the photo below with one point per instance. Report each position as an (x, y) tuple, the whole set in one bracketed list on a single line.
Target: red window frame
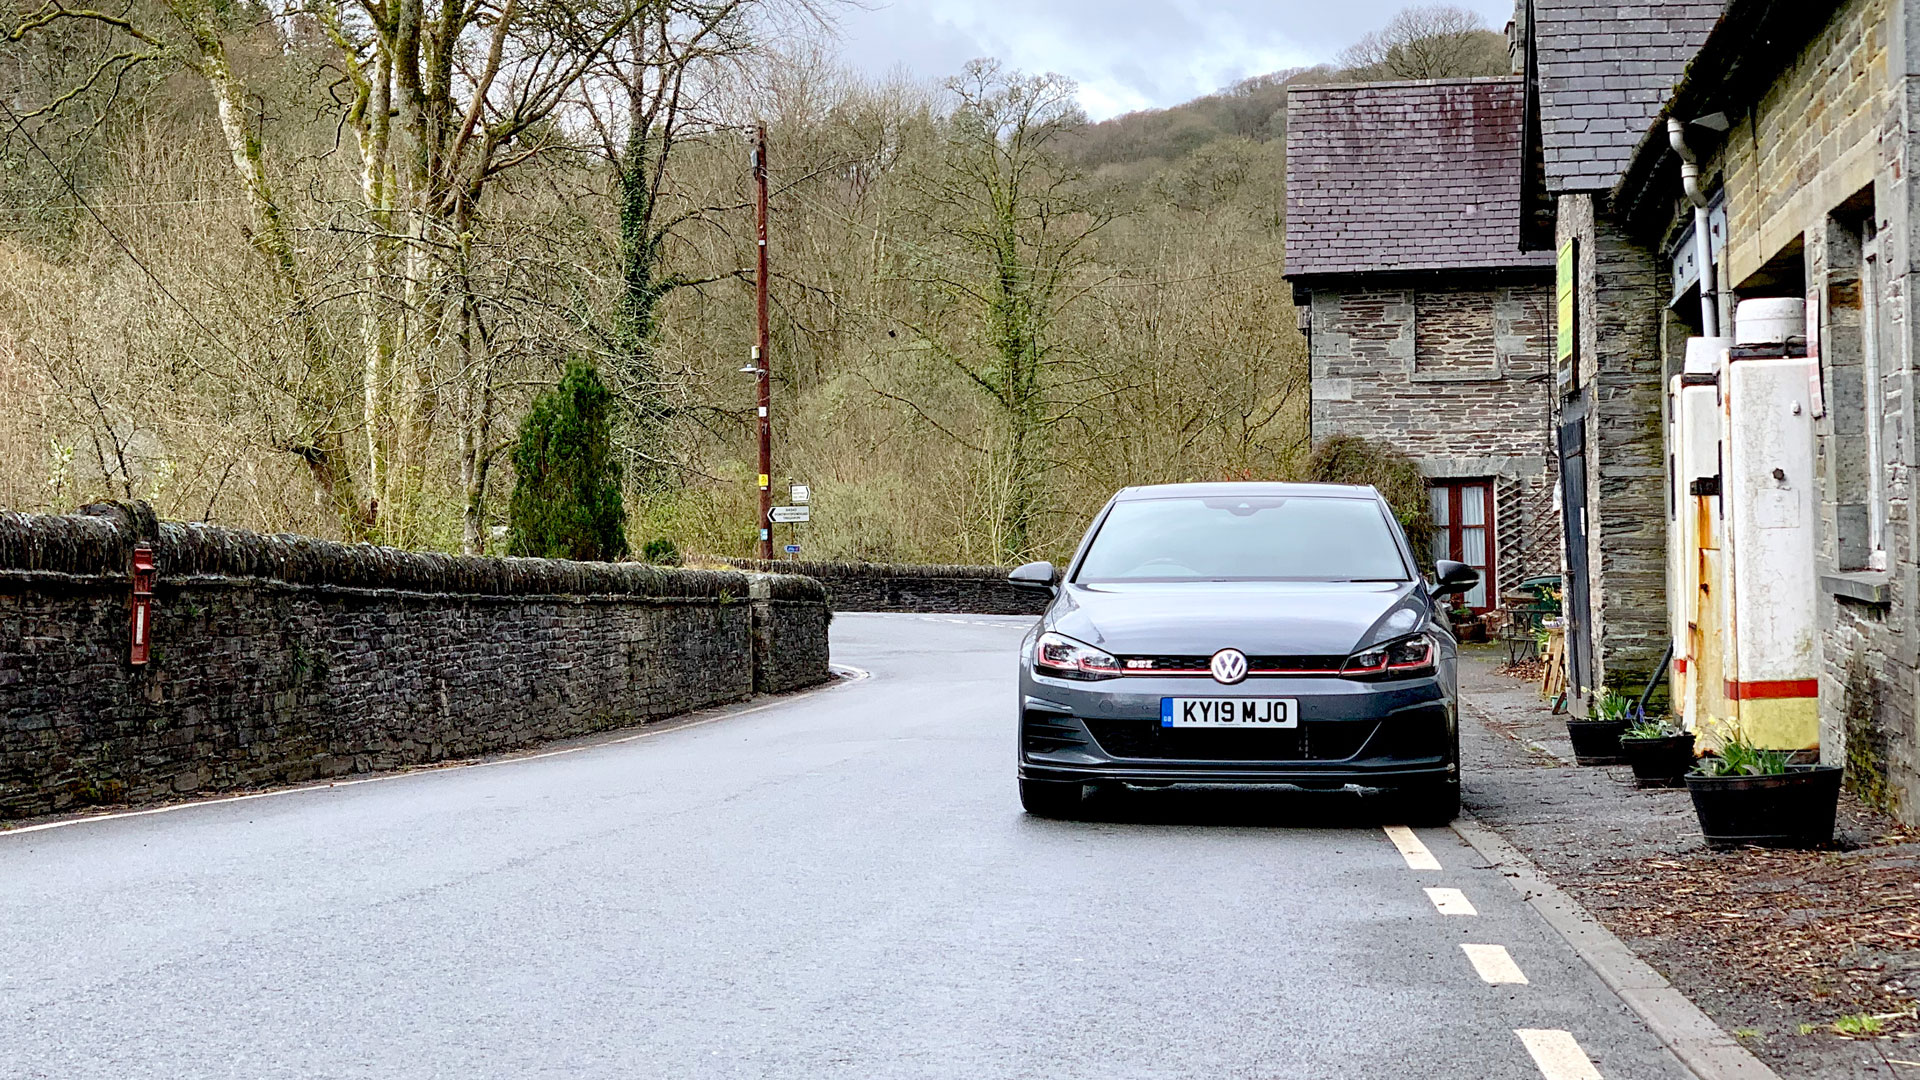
[(1449, 535)]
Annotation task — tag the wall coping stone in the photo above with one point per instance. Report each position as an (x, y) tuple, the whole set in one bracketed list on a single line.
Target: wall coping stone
[(96, 545)]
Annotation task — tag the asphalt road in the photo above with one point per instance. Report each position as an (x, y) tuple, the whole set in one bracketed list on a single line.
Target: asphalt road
[(838, 884)]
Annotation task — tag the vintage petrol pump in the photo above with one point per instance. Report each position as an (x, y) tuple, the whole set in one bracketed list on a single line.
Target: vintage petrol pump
[(1741, 535)]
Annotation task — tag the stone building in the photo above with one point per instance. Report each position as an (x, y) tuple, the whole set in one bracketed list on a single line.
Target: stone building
[(1595, 77), (1802, 118), (1427, 327)]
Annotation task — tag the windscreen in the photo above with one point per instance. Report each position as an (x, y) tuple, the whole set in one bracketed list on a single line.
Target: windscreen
[(1294, 538)]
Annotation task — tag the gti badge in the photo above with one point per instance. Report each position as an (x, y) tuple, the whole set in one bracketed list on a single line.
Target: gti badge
[(1229, 666)]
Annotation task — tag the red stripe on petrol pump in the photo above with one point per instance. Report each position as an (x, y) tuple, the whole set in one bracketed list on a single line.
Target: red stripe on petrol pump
[(1680, 664), (1778, 688)]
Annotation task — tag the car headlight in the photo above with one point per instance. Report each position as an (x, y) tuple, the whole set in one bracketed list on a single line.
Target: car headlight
[(1065, 658), (1407, 656)]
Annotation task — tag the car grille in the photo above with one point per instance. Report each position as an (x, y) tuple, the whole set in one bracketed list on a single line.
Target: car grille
[(1197, 665), (1326, 741)]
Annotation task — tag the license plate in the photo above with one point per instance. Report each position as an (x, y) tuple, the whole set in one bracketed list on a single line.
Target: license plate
[(1229, 712)]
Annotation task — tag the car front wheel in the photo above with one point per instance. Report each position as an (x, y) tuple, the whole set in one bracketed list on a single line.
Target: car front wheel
[(1051, 798)]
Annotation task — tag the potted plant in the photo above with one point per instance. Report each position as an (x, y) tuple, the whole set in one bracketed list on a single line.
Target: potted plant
[(1747, 795), (1466, 625), (1596, 740), (1659, 752)]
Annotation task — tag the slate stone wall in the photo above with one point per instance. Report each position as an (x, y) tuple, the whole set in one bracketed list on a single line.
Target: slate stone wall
[(1450, 368), (977, 590), (282, 659), (1618, 386)]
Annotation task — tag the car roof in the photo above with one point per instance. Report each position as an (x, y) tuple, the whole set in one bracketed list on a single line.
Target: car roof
[(1247, 488)]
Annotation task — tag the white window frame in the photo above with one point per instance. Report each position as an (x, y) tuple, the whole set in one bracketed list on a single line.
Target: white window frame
[(1872, 396)]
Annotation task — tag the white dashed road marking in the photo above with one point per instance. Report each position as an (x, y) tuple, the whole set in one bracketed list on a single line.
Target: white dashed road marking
[(1411, 849), (1451, 902), (1559, 1057), (1493, 963)]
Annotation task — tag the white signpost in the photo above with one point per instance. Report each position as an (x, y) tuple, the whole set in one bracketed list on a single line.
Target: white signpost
[(788, 514), (800, 494)]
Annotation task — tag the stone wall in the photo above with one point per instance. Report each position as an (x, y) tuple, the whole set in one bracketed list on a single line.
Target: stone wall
[(1829, 126), (1452, 370), (979, 590), (1619, 387), (1824, 150), (281, 659)]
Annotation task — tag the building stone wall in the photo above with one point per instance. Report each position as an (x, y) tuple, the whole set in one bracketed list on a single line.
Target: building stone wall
[(1826, 147), (1453, 370), (1617, 384), (1829, 126), (280, 659)]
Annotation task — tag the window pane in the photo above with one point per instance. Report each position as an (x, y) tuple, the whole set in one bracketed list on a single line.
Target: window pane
[(1439, 496), (1473, 548), (1473, 504)]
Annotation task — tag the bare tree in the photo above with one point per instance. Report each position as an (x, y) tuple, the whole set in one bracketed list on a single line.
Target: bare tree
[(1431, 41), (661, 85), (1014, 225)]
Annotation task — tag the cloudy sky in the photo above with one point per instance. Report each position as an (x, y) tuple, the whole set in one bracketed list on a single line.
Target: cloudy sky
[(1126, 54)]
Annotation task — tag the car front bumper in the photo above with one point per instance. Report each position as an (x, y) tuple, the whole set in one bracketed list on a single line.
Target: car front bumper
[(1375, 734)]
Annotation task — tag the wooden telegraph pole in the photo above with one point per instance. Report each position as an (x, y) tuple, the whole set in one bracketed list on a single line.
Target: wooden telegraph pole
[(762, 361)]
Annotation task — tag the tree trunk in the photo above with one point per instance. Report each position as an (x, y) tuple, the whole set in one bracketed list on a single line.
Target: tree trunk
[(376, 332), (317, 441), (639, 383)]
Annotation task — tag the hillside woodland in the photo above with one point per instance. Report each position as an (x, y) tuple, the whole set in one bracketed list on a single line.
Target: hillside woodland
[(306, 267)]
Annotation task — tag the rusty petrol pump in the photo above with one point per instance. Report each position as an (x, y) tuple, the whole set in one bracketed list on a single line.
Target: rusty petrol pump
[(1742, 535), (142, 614)]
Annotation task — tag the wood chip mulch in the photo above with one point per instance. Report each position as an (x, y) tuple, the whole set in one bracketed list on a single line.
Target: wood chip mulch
[(1826, 934)]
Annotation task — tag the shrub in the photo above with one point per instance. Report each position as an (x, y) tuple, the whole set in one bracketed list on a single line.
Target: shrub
[(566, 493), (661, 551), (1349, 459)]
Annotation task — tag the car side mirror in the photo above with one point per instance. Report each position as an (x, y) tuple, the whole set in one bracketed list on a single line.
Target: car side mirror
[(1453, 578), (1034, 575)]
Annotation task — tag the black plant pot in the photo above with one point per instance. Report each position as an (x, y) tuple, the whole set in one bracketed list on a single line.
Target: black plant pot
[(1659, 762), (1596, 742), (1790, 809)]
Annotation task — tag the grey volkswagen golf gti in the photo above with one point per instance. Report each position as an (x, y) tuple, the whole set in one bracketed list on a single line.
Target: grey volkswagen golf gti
[(1242, 633)]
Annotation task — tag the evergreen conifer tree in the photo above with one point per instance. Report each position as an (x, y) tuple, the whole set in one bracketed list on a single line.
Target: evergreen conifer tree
[(566, 493)]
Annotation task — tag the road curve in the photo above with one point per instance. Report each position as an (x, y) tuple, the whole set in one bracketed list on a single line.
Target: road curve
[(839, 885)]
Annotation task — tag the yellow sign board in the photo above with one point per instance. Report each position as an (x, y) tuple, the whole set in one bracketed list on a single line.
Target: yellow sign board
[(1565, 313)]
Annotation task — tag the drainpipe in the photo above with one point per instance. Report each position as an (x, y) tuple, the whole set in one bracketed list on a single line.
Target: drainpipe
[(1702, 234)]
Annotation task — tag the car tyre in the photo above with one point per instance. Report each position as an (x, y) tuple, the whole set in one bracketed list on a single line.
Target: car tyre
[(1433, 803), (1051, 798)]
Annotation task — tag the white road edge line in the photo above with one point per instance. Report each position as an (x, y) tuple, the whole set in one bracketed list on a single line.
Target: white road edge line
[(1702, 1046), (1411, 849), (1557, 1054), (847, 674), (1494, 964), (1451, 902)]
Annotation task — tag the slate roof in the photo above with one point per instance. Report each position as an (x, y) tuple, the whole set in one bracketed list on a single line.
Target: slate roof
[(1405, 176), (1603, 70)]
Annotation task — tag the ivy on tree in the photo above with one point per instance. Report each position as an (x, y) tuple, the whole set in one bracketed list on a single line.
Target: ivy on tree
[(566, 493)]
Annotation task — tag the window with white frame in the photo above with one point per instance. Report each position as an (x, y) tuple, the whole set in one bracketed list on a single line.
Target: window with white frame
[(1853, 360)]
